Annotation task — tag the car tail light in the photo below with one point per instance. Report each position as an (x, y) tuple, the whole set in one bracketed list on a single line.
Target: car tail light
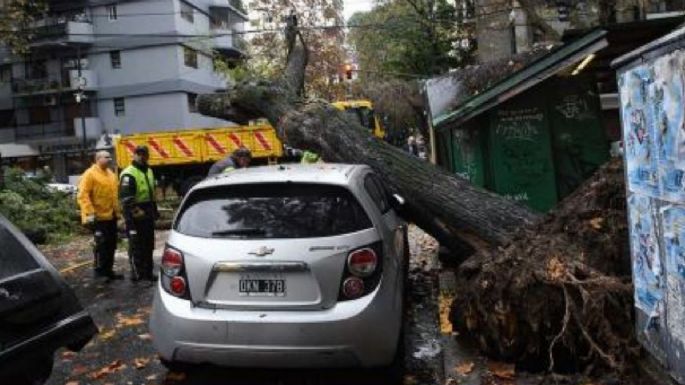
[(363, 269), (177, 286), (172, 262), (353, 287), (174, 279), (362, 262)]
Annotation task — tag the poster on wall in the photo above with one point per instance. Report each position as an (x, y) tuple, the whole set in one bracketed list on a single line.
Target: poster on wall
[(647, 269), (673, 224), (639, 132), (667, 96)]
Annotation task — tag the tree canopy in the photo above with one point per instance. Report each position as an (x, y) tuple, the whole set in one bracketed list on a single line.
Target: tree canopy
[(410, 37)]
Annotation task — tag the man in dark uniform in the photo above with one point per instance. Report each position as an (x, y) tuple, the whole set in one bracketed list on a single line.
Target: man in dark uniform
[(137, 195), (240, 158)]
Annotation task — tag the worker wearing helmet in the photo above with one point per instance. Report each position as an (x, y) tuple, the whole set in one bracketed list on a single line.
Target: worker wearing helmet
[(240, 158)]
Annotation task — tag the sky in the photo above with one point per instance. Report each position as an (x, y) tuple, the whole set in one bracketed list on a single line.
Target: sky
[(352, 6)]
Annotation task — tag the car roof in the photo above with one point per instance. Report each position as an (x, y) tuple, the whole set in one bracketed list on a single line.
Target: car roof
[(324, 173)]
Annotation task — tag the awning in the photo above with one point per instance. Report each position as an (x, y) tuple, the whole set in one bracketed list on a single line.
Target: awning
[(541, 69), (13, 150)]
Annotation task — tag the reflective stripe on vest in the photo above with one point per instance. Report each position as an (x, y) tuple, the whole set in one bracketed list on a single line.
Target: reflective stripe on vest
[(145, 186)]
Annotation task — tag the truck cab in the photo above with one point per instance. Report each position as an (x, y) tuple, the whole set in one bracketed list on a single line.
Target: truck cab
[(363, 111)]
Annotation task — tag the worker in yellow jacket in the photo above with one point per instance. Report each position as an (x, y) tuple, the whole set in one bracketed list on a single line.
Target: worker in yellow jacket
[(98, 198)]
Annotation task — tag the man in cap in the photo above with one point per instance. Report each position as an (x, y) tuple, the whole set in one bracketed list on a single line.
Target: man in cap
[(240, 158), (98, 199), (137, 194)]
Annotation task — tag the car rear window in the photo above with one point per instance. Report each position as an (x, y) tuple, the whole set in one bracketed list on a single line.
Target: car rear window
[(14, 258), (271, 210)]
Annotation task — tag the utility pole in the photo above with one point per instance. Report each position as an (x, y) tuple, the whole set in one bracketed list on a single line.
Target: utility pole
[(80, 99)]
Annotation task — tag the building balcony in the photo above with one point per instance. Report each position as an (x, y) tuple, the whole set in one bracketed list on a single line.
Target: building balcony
[(56, 33), (229, 43), (33, 132), (53, 84), (233, 6)]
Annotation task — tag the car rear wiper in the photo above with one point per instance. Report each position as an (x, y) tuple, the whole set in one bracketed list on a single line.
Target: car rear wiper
[(243, 231)]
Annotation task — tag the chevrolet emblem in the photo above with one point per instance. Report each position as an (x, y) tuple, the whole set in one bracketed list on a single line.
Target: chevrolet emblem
[(262, 251)]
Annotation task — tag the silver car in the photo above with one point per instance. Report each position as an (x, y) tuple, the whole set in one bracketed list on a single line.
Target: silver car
[(294, 266)]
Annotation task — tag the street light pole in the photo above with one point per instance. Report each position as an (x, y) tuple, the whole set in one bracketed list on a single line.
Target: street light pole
[(80, 98)]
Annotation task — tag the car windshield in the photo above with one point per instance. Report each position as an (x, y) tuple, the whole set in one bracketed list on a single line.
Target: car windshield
[(271, 210), (14, 258), (363, 115)]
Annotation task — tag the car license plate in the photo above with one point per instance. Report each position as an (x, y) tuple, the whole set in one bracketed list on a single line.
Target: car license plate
[(261, 287)]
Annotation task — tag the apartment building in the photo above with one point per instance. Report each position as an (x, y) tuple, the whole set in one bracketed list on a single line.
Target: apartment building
[(106, 67)]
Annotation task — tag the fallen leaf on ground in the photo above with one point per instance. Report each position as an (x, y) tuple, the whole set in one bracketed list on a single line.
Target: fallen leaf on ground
[(68, 355), (151, 377), (145, 337), (79, 370), (107, 370), (410, 380), (72, 383), (106, 334), (175, 376), (134, 320), (502, 370), (140, 363), (596, 223), (464, 368)]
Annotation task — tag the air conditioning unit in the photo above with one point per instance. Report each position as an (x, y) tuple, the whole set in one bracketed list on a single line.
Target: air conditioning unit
[(50, 100)]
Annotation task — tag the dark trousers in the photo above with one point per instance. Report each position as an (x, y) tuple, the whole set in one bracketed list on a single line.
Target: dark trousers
[(105, 233), (141, 244)]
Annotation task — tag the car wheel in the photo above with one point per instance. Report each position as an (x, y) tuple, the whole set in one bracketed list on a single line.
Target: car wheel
[(393, 374), (175, 366), (40, 371)]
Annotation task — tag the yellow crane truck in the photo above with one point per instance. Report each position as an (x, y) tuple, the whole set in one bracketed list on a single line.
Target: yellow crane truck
[(181, 158)]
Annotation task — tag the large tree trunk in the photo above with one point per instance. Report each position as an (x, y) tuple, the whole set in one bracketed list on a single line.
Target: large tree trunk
[(461, 216)]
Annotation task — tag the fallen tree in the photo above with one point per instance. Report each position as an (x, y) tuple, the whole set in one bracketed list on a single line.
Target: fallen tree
[(461, 216), (559, 297), (557, 293)]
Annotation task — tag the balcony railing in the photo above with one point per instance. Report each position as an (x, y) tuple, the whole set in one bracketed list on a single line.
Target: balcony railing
[(56, 83), (58, 31), (45, 130)]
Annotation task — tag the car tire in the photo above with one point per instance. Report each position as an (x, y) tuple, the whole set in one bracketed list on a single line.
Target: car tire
[(393, 374), (41, 369), (175, 366)]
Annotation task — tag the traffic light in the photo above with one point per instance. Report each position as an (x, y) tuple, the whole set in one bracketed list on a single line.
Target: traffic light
[(348, 71)]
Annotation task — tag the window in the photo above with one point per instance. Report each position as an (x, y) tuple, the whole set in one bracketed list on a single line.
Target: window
[(115, 58), (39, 115), (5, 73), (14, 258), (190, 57), (112, 12), (187, 12), (377, 192), (271, 210), (192, 99), (36, 69), (119, 107)]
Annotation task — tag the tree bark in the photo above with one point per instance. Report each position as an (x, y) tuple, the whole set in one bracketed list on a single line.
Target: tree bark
[(459, 215)]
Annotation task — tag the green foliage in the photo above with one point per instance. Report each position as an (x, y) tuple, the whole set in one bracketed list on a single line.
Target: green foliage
[(16, 17), (416, 37), (38, 211)]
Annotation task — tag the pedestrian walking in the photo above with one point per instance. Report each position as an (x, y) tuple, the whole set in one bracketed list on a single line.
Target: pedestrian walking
[(412, 147), (240, 158), (137, 194), (99, 203)]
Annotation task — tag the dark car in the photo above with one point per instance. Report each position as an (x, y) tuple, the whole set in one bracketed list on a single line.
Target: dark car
[(39, 313)]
